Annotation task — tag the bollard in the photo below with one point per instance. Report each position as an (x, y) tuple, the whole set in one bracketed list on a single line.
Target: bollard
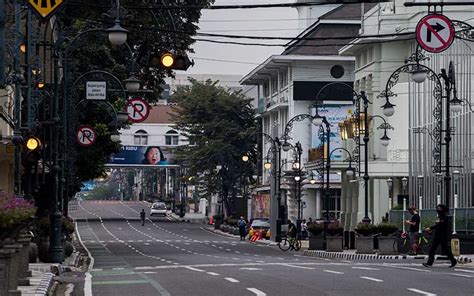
[(5, 262), (455, 247)]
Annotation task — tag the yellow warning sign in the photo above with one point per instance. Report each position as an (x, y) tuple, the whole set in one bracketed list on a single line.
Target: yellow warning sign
[(45, 8)]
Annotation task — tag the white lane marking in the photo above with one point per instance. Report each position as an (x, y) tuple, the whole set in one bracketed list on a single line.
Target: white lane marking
[(250, 268), (371, 279), (147, 244), (461, 275), (333, 271), (365, 268), (421, 292), (464, 270), (295, 266), (194, 269), (256, 292), (118, 268), (149, 272), (212, 273), (408, 268), (232, 280)]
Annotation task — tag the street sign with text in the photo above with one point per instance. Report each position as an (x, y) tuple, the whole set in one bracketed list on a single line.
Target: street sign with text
[(435, 33), (138, 110), (96, 90), (86, 136), (45, 8)]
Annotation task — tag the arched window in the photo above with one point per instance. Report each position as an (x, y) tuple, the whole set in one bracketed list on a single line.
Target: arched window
[(140, 138), (171, 138)]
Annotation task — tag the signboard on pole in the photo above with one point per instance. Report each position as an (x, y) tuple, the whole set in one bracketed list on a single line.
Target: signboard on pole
[(45, 8), (138, 110), (96, 90), (86, 136), (435, 33)]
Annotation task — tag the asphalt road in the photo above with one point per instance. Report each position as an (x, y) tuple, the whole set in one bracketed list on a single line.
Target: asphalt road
[(167, 257)]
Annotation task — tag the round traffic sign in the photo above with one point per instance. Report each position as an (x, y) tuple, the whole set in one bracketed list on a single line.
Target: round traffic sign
[(138, 110), (86, 136), (435, 33)]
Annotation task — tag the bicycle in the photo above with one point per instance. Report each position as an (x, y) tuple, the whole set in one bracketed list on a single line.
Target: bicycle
[(402, 243), (287, 243)]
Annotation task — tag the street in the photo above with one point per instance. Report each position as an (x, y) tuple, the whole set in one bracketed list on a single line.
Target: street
[(168, 257)]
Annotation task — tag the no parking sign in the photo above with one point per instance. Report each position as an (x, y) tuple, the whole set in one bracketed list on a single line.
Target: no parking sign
[(86, 136), (138, 110)]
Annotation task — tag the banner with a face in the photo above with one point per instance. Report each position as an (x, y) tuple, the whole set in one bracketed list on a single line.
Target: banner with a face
[(142, 156)]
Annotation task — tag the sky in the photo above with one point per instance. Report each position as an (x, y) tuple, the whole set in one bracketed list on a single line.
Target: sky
[(255, 22)]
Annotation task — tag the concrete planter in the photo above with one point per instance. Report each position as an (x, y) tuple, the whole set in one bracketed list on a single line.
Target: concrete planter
[(334, 243), (235, 231), (387, 245), (316, 243), (365, 245)]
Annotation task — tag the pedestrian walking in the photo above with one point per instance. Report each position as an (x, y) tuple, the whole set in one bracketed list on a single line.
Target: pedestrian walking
[(304, 229), (242, 225), (414, 229), (441, 237), (142, 216)]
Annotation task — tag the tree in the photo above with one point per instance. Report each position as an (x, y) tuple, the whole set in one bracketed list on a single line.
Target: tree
[(220, 123)]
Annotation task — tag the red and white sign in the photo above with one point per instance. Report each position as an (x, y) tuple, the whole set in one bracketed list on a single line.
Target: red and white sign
[(435, 33), (86, 136), (138, 110)]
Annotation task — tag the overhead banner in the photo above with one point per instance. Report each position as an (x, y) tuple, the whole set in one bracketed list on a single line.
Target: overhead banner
[(142, 156)]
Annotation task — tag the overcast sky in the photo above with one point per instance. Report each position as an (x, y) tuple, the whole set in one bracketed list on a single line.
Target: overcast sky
[(255, 22)]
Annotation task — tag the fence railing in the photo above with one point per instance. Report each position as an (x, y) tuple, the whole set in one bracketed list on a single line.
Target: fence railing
[(464, 218)]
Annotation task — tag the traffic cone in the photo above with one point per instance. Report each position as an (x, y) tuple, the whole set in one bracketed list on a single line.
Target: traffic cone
[(211, 220), (260, 233)]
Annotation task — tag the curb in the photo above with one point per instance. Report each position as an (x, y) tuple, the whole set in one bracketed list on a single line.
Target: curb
[(219, 232), (352, 256)]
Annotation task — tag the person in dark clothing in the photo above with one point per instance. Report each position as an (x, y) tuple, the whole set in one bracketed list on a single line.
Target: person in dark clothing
[(441, 236), (292, 231), (242, 225), (414, 229), (142, 216)]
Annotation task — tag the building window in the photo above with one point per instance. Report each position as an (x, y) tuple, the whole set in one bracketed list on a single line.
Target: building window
[(140, 138), (171, 138)]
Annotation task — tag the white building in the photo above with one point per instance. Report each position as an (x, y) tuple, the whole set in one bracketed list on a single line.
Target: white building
[(410, 152)]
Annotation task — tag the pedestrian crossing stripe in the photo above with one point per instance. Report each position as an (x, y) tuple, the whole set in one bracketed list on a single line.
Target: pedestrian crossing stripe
[(45, 8)]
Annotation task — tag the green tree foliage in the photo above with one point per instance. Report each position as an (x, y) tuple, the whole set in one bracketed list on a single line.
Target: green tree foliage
[(221, 123), (154, 27)]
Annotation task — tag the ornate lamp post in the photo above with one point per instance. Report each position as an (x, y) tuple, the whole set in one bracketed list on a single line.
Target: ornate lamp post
[(404, 188)]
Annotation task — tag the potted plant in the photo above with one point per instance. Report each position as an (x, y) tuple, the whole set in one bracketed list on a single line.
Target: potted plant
[(316, 239), (365, 238), (334, 237), (217, 221), (387, 239)]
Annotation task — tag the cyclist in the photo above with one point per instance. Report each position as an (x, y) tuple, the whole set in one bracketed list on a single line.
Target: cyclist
[(291, 233), (414, 229), (142, 217)]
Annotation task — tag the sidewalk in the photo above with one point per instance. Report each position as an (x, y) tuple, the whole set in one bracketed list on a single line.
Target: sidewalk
[(190, 217), (352, 255)]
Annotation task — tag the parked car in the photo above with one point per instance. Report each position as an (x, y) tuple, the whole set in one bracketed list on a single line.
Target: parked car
[(158, 208), (258, 224)]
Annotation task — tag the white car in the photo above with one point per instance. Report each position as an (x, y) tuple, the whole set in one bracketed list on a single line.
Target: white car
[(158, 208)]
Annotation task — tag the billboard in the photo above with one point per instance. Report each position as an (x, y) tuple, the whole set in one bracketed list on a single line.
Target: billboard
[(142, 156), (334, 114), (261, 206)]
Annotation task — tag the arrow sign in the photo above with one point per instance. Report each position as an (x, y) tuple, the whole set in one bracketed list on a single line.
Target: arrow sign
[(138, 110), (438, 27), (86, 136), (435, 33)]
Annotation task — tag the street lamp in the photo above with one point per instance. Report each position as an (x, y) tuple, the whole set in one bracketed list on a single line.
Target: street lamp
[(115, 137), (132, 84), (445, 80), (245, 158)]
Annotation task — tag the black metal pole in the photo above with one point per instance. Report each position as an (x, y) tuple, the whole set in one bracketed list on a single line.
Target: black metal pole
[(447, 85), (17, 132), (366, 218), (298, 186), (328, 168), (2, 42), (278, 193), (55, 245)]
